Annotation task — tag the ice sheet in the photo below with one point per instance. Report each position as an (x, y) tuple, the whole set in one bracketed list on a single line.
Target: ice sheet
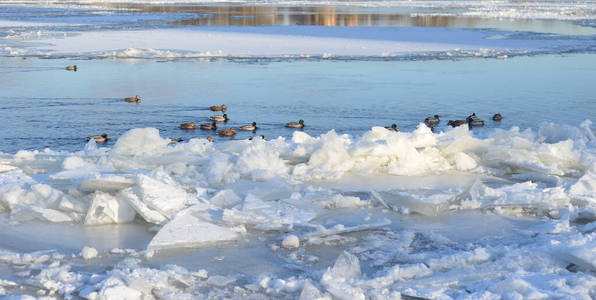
[(289, 41)]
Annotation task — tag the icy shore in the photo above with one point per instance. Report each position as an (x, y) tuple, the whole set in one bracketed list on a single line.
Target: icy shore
[(308, 194)]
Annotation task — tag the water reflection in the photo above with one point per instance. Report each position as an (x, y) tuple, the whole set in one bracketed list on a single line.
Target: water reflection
[(316, 16), (242, 15)]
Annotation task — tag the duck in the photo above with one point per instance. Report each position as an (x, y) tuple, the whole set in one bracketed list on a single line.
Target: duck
[(211, 126), (223, 118), (471, 117), (456, 123), (497, 117), (172, 142), (223, 107), (299, 124), (210, 139), (432, 120), (99, 138), (71, 68), (252, 127), (133, 99), (474, 121), (190, 125), (393, 127), (227, 132), (257, 136)]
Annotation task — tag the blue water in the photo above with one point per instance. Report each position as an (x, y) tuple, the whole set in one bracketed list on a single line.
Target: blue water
[(43, 105)]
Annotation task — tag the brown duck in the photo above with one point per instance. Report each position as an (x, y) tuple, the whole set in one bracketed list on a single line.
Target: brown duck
[(190, 125), (133, 99), (223, 107)]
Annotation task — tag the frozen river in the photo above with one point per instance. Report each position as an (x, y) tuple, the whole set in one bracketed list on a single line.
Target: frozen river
[(341, 209)]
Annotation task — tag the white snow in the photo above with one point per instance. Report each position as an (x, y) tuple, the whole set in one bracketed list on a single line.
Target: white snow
[(89, 252)]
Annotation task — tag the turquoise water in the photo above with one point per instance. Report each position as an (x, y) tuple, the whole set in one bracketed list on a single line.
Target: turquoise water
[(43, 105)]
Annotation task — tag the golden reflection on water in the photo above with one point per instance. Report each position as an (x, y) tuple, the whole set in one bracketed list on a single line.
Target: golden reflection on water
[(313, 15), (254, 15)]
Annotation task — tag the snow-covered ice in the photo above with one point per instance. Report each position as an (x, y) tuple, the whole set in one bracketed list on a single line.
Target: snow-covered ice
[(291, 42), (535, 188)]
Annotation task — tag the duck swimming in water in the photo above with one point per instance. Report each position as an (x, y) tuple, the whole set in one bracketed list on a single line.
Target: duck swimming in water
[(223, 118), (299, 124), (211, 126), (71, 68), (393, 127), (223, 107), (432, 120), (133, 99), (99, 138), (227, 132), (190, 125), (210, 139), (456, 123), (497, 117), (473, 121), (252, 127)]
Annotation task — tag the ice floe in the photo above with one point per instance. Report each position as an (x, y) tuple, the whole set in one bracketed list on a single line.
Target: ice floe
[(524, 217)]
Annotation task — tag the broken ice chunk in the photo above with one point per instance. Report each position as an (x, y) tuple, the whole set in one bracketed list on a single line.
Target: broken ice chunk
[(188, 231)]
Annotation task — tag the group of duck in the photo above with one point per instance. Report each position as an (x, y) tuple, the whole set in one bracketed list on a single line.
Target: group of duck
[(472, 121), (230, 132)]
